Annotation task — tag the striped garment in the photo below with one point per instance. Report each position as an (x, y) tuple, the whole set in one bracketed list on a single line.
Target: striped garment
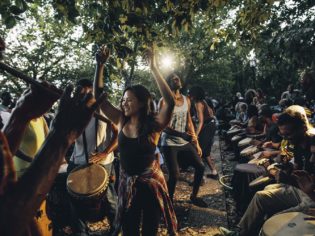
[(153, 177)]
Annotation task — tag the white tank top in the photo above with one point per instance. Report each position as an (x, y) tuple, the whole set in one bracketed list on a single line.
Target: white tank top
[(179, 123)]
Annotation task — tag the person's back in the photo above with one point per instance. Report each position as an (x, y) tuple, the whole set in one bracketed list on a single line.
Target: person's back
[(33, 138)]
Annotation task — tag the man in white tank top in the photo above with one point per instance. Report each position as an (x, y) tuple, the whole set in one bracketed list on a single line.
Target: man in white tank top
[(180, 144), (97, 143)]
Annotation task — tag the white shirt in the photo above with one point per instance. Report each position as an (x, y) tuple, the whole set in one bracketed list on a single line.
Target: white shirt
[(103, 138)]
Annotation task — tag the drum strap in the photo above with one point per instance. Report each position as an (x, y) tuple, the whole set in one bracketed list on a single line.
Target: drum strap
[(23, 156), (85, 147), (96, 131)]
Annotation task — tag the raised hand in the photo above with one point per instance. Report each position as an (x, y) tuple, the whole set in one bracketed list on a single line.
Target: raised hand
[(149, 57), (36, 101), (102, 54), (75, 112)]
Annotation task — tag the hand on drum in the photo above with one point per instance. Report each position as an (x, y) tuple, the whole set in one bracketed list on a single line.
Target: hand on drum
[(266, 154), (35, 101), (274, 171), (96, 158), (75, 112), (255, 142), (267, 145)]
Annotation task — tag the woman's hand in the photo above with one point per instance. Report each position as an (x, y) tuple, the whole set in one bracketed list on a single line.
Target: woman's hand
[(150, 57), (102, 54)]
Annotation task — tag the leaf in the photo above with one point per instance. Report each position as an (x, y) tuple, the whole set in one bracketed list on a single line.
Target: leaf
[(212, 47), (118, 63), (123, 19)]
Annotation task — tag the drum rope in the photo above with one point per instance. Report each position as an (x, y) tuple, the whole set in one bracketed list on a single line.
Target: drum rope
[(222, 182)]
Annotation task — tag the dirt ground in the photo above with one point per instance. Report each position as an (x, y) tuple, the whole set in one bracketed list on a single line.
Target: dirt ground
[(194, 220)]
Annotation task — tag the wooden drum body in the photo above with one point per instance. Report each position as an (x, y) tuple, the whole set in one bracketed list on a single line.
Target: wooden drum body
[(289, 224), (86, 186)]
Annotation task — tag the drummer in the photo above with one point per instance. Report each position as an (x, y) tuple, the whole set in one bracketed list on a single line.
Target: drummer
[(247, 172), (297, 194), (97, 143), (271, 132)]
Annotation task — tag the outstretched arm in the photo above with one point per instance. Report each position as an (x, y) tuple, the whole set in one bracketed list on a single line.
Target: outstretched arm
[(33, 104), (165, 111), (101, 58), (114, 114), (29, 191)]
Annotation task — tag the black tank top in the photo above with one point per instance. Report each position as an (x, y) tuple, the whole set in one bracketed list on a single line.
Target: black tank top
[(135, 155)]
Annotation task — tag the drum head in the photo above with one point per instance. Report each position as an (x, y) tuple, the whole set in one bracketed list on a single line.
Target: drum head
[(244, 142), (87, 180), (256, 158), (236, 138), (233, 131), (291, 223), (249, 151)]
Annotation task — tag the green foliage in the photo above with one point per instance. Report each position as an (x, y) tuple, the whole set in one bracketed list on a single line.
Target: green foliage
[(212, 40)]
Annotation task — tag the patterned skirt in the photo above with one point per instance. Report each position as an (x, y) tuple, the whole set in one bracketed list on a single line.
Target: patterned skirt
[(154, 178)]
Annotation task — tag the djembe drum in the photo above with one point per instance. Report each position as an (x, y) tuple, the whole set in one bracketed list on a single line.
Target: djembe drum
[(249, 151), (87, 185), (289, 224), (245, 142)]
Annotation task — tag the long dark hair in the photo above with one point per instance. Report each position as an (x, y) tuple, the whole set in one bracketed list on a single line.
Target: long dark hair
[(197, 93), (148, 124)]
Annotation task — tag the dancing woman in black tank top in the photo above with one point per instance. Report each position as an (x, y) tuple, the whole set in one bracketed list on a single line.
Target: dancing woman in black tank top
[(142, 187)]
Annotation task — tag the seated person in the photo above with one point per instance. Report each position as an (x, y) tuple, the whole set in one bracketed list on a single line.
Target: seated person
[(254, 125), (271, 137), (290, 194)]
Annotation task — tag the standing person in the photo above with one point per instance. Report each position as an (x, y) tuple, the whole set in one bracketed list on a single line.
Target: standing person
[(179, 139), (142, 187), (206, 127), (97, 142)]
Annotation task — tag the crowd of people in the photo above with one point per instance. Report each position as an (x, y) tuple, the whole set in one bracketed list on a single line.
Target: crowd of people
[(274, 145), (108, 159), (92, 160)]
